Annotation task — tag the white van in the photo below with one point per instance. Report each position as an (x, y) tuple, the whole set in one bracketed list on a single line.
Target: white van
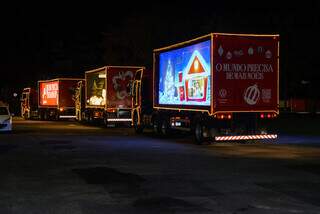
[(5, 119)]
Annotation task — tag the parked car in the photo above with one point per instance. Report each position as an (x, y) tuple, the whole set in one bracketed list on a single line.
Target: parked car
[(5, 119)]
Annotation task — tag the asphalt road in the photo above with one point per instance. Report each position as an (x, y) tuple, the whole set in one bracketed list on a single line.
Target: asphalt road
[(64, 167)]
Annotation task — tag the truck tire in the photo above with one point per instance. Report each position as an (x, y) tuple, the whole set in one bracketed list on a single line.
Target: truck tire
[(41, 115), (199, 132), (57, 116), (85, 117), (164, 127), (25, 116), (156, 126), (45, 116), (138, 128), (105, 120)]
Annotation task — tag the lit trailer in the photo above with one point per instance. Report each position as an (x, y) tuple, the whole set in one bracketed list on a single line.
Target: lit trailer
[(56, 98), (219, 86), (107, 98)]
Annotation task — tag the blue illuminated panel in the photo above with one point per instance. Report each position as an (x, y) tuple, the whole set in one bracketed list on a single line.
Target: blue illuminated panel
[(184, 76)]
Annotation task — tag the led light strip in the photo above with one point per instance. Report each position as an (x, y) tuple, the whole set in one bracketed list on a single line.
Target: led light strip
[(246, 137), (119, 119), (66, 116)]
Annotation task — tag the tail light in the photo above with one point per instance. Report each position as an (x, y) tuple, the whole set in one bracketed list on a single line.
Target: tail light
[(267, 115), (97, 114), (223, 116)]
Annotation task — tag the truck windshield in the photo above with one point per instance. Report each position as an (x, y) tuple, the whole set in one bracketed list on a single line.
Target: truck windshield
[(3, 111)]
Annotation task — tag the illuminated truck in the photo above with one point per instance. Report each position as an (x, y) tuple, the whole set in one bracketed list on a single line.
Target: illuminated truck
[(107, 98), (29, 103), (53, 99), (221, 87)]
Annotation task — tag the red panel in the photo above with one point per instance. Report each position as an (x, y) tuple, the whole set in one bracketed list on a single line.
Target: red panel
[(118, 80), (67, 91), (49, 93), (246, 73)]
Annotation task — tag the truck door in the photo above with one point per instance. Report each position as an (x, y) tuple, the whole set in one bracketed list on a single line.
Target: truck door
[(136, 89), (78, 99)]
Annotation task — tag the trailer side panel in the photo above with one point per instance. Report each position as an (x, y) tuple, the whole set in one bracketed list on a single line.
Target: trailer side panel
[(245, 73)]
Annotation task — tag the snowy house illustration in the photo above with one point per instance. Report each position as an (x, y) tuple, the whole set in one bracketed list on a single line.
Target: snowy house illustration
[(196, 79)]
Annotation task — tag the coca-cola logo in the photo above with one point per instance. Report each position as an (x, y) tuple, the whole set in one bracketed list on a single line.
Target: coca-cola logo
[(251, 95)]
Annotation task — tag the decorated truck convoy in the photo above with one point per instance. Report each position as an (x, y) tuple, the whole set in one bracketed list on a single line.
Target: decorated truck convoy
[(52, 100), (219, 86), (104, 97)]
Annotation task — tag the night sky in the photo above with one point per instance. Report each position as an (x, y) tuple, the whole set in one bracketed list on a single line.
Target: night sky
[(58, 40)]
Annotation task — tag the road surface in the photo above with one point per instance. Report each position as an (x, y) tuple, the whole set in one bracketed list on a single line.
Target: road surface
[(65, 167)]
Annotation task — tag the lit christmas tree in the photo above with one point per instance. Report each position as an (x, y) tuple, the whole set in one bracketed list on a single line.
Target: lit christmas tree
[(169, 82)]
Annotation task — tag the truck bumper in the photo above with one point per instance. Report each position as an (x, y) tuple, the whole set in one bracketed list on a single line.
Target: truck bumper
[(246, 137), (119, 119)]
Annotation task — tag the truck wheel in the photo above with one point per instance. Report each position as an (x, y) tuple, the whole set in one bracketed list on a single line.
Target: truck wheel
[(164, 128), (105, 121), (25, 116), (45, 116), (85, 117), (90, 119), (156, 126), (56, 117), (138, 128), (199, 132), (41, 115)]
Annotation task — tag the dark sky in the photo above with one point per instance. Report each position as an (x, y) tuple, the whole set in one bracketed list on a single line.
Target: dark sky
[(49, 40)]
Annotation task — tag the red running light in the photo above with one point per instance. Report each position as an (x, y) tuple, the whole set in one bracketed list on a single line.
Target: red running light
[(269, 115), (261, 116), (229, 116)]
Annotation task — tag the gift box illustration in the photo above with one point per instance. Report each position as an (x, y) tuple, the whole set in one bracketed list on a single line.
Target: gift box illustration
[(196, 79)]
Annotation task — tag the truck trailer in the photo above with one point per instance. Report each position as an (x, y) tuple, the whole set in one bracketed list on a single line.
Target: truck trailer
[(106, 95), (220, 86), (53, 99)]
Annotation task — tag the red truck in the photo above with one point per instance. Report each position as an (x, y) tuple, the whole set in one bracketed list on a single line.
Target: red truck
[(53, 99), (219, 86), (106, 95)]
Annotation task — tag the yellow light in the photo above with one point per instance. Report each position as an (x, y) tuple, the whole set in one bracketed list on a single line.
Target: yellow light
[(196, 64), (61, 109)]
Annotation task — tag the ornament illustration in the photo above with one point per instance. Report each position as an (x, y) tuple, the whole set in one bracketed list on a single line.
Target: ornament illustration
[(268, 54), (250, 51), (229, 55), (220, 51)]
